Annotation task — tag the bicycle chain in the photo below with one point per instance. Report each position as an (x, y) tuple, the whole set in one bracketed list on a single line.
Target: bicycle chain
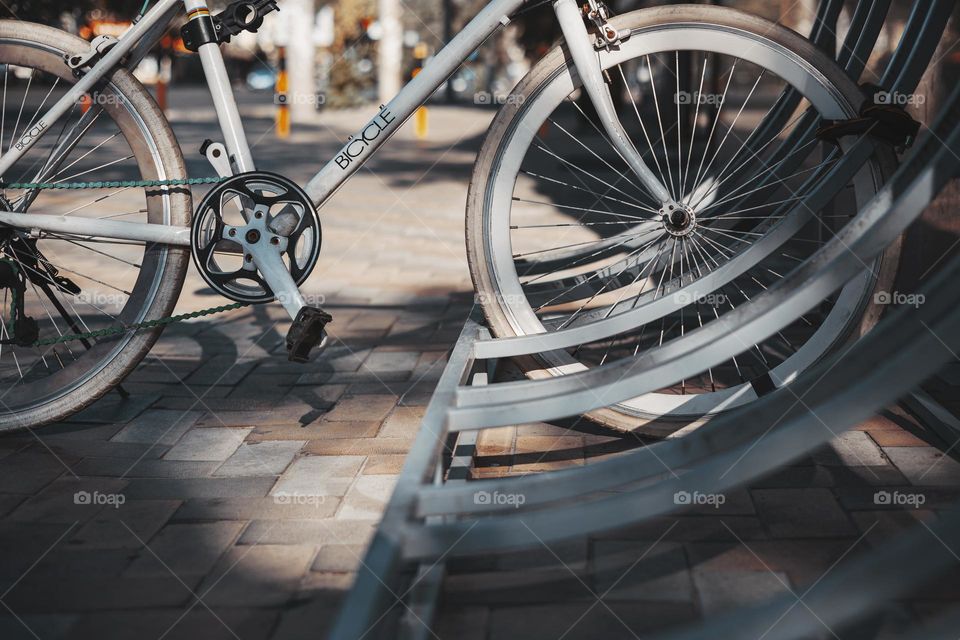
[(140, 326), (110, 184)]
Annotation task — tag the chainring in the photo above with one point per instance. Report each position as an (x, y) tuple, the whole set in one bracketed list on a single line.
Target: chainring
[(254, 202)]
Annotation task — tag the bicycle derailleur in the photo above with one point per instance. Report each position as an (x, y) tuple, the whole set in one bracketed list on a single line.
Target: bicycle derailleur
[(256, 238), (23, 265)]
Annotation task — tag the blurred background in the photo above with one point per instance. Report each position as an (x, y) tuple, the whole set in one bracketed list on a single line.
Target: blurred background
[(348, 53)]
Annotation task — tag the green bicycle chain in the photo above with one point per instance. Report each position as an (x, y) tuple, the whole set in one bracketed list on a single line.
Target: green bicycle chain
[(139, 326), (110, 184)]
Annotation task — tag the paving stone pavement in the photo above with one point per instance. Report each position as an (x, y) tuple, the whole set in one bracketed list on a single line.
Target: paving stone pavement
[(232, 495), (781, 535)]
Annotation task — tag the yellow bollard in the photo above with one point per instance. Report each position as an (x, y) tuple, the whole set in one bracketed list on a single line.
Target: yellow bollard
[(281, 98), (420, 129)]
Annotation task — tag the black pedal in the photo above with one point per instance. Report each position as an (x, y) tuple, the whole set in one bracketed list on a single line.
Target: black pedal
[(307, 332)]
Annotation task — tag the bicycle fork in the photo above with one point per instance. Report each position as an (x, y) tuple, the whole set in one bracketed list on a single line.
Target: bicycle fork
[(587, 64)]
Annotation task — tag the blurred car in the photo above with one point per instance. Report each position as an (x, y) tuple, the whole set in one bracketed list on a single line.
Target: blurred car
[(262, 78)]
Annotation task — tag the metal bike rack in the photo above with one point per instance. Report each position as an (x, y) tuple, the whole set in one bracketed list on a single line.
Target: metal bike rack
[(435, 515)]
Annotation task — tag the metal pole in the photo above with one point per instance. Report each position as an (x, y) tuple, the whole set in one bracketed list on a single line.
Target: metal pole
[(301, 61), (448, 10), (390, 51)]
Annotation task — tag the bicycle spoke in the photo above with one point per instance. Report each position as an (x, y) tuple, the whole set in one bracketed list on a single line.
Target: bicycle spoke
[(761, 171), (761, 206), (594, 276), (16, 127), (585, 190), (696, 120), (575, 244), (578, 261), (643, 128), (609, 143), (587, 173), (663, 136), (732, 197), (89, 171), (733, 124), (584, 210)]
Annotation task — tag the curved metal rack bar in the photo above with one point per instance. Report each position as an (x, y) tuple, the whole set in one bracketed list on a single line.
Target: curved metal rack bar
[(899, 354)]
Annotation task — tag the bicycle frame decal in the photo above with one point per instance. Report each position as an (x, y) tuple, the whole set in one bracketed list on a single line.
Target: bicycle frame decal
[(27, 139), (368, 135)]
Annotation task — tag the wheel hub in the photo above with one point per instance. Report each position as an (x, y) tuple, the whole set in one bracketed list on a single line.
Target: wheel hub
[(678, 220)]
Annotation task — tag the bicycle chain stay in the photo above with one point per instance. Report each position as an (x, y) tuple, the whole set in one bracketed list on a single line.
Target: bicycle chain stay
[(140, 326)]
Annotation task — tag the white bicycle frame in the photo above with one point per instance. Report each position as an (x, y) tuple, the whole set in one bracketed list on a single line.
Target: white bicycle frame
[(142, 35)]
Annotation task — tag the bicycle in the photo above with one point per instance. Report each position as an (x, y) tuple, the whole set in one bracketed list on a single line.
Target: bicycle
[(255, 237)]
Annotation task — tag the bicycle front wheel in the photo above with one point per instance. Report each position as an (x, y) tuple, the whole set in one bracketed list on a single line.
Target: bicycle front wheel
[(723, 106)]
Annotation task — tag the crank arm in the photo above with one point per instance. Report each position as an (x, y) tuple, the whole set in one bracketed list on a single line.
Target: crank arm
[(308, 329), (267, 260), (588, 68)]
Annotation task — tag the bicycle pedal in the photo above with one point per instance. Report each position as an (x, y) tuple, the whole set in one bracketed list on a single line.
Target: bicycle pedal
[(306, 332)]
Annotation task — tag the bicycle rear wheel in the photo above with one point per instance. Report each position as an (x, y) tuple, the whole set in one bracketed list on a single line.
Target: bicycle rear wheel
[(76, 283)]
